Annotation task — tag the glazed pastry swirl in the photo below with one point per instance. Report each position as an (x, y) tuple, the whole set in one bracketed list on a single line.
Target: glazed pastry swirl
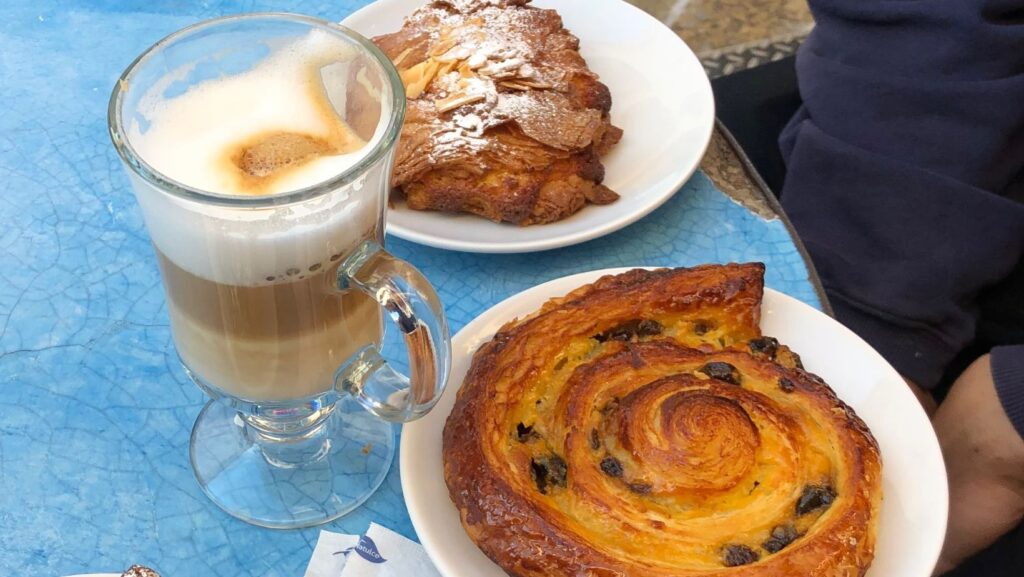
[(642, 426)]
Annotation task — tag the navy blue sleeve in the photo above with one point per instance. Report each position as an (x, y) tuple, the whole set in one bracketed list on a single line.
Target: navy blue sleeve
[(1008, 374), (900, 164)]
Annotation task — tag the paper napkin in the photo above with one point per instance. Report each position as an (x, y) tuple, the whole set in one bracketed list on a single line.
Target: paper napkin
[(379, 553)]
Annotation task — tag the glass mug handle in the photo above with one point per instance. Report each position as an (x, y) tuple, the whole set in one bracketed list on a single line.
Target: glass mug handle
[(406, 296)]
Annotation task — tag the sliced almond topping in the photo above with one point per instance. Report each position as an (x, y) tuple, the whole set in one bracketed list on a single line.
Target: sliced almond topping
[(417, 78), (502, 69), (477, 60), (514, 85), (412, 73), (534, 84), (520, 84), (456, 100), (456, 54), (398, 60), (443, 46), (446, 68)]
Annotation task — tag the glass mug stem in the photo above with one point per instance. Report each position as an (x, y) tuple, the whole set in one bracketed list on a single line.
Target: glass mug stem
[(292, 442)]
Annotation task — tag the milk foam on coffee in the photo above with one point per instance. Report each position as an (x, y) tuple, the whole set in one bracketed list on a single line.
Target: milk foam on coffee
[(282, 95), (191, 138)]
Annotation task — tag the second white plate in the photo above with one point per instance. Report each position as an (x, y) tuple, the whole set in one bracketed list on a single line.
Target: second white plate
[(661, 98), (914, 509)]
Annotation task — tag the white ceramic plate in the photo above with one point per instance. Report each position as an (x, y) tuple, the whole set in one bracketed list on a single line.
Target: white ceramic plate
[(913, 517), (661, 99)]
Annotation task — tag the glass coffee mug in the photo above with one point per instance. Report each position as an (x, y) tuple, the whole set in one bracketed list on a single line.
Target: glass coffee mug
[(260, 150)]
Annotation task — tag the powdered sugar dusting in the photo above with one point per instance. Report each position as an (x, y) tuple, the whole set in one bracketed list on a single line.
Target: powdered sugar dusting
[(504, 119), (471, 123), (484, 63)]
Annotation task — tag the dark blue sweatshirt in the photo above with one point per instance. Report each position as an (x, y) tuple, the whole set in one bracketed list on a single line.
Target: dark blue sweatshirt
[(905, 171)]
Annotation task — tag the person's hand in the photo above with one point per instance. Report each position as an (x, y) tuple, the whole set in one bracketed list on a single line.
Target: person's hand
[(985, 463)]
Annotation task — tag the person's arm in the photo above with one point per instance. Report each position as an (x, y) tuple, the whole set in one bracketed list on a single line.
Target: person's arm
[(910, 133), (980, 426)]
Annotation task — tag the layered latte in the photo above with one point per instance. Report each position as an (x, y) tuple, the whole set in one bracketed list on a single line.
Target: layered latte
[(252, 292)]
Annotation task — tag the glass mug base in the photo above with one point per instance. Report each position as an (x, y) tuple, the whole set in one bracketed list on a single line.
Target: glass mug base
[(290, 482)]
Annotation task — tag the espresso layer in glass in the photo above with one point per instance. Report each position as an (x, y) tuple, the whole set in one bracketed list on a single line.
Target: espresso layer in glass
[(274, 341)]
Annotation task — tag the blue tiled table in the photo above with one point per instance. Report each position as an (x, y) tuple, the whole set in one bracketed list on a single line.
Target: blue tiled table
[(94, 411)]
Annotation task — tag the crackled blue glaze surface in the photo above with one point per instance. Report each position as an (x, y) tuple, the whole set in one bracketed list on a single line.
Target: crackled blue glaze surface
[(95, 413)]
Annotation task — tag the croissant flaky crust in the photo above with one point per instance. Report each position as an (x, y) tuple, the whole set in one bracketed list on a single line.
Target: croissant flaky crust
[(503, 119), (642, 426)]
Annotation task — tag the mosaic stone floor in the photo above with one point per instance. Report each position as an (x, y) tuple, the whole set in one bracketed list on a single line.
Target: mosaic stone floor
[(710, 26)]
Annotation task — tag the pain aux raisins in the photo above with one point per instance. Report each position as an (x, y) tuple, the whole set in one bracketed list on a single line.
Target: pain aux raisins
[(815, 497), (611, 467), (610, 407), (550, 471), (640, 488), (766, 346), (525, 433), (797, 362), (736, 555), (786, 385), (722, 371), (629, 330), (781, 536)]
